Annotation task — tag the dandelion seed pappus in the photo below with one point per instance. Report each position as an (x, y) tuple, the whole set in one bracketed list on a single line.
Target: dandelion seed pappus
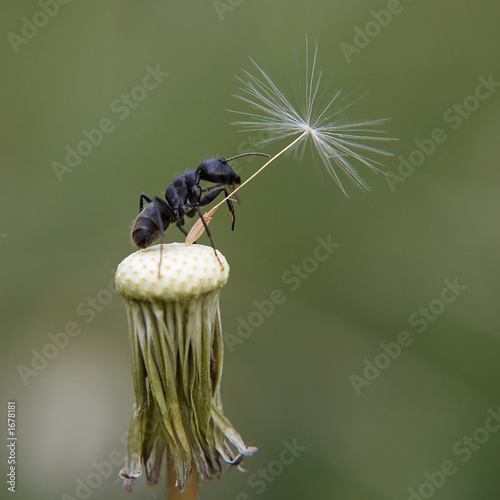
[(338, 142)]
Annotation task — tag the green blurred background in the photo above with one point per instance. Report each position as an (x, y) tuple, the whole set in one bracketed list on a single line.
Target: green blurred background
[(292, 378)]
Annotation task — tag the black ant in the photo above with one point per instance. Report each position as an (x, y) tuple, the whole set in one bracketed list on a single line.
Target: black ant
[(184, 197)]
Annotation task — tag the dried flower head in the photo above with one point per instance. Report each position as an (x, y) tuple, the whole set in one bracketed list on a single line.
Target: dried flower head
[(176, 344)]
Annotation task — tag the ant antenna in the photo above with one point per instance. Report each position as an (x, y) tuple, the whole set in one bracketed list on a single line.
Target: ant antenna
[(248, 154)]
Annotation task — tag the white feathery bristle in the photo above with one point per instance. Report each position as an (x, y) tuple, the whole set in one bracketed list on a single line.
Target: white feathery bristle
[(336, 140)]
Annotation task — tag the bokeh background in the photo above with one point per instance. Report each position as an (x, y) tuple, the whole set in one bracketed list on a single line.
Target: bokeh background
[(292, 378)]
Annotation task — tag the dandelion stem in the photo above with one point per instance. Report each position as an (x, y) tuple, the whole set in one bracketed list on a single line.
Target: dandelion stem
[(261, 168), (190, 491)]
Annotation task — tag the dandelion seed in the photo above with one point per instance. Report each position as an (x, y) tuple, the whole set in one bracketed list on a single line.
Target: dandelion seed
[(339, 143)]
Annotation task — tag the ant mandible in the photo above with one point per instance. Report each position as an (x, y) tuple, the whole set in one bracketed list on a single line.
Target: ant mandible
[(184, 197)]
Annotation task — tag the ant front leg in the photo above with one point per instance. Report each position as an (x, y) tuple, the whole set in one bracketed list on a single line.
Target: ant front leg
[(230, 207), (212, 194), (179, 224), (209, 188)]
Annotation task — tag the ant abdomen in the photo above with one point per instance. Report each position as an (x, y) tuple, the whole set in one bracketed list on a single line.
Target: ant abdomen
[(146, 229), (143, 237)]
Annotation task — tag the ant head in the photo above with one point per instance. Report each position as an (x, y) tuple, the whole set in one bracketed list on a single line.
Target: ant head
[(219, 171)]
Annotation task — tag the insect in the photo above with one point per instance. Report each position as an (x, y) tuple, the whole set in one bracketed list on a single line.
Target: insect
[(184, 197)]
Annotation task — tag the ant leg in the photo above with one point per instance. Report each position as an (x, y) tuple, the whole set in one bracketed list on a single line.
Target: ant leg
[(159, 203), (179, 224), (233, 187), (208, 198), (144, 197), (209, 188), (231, 209), (162, 232), (209, 234), (236, 195), (158, 206), (167, 209)]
